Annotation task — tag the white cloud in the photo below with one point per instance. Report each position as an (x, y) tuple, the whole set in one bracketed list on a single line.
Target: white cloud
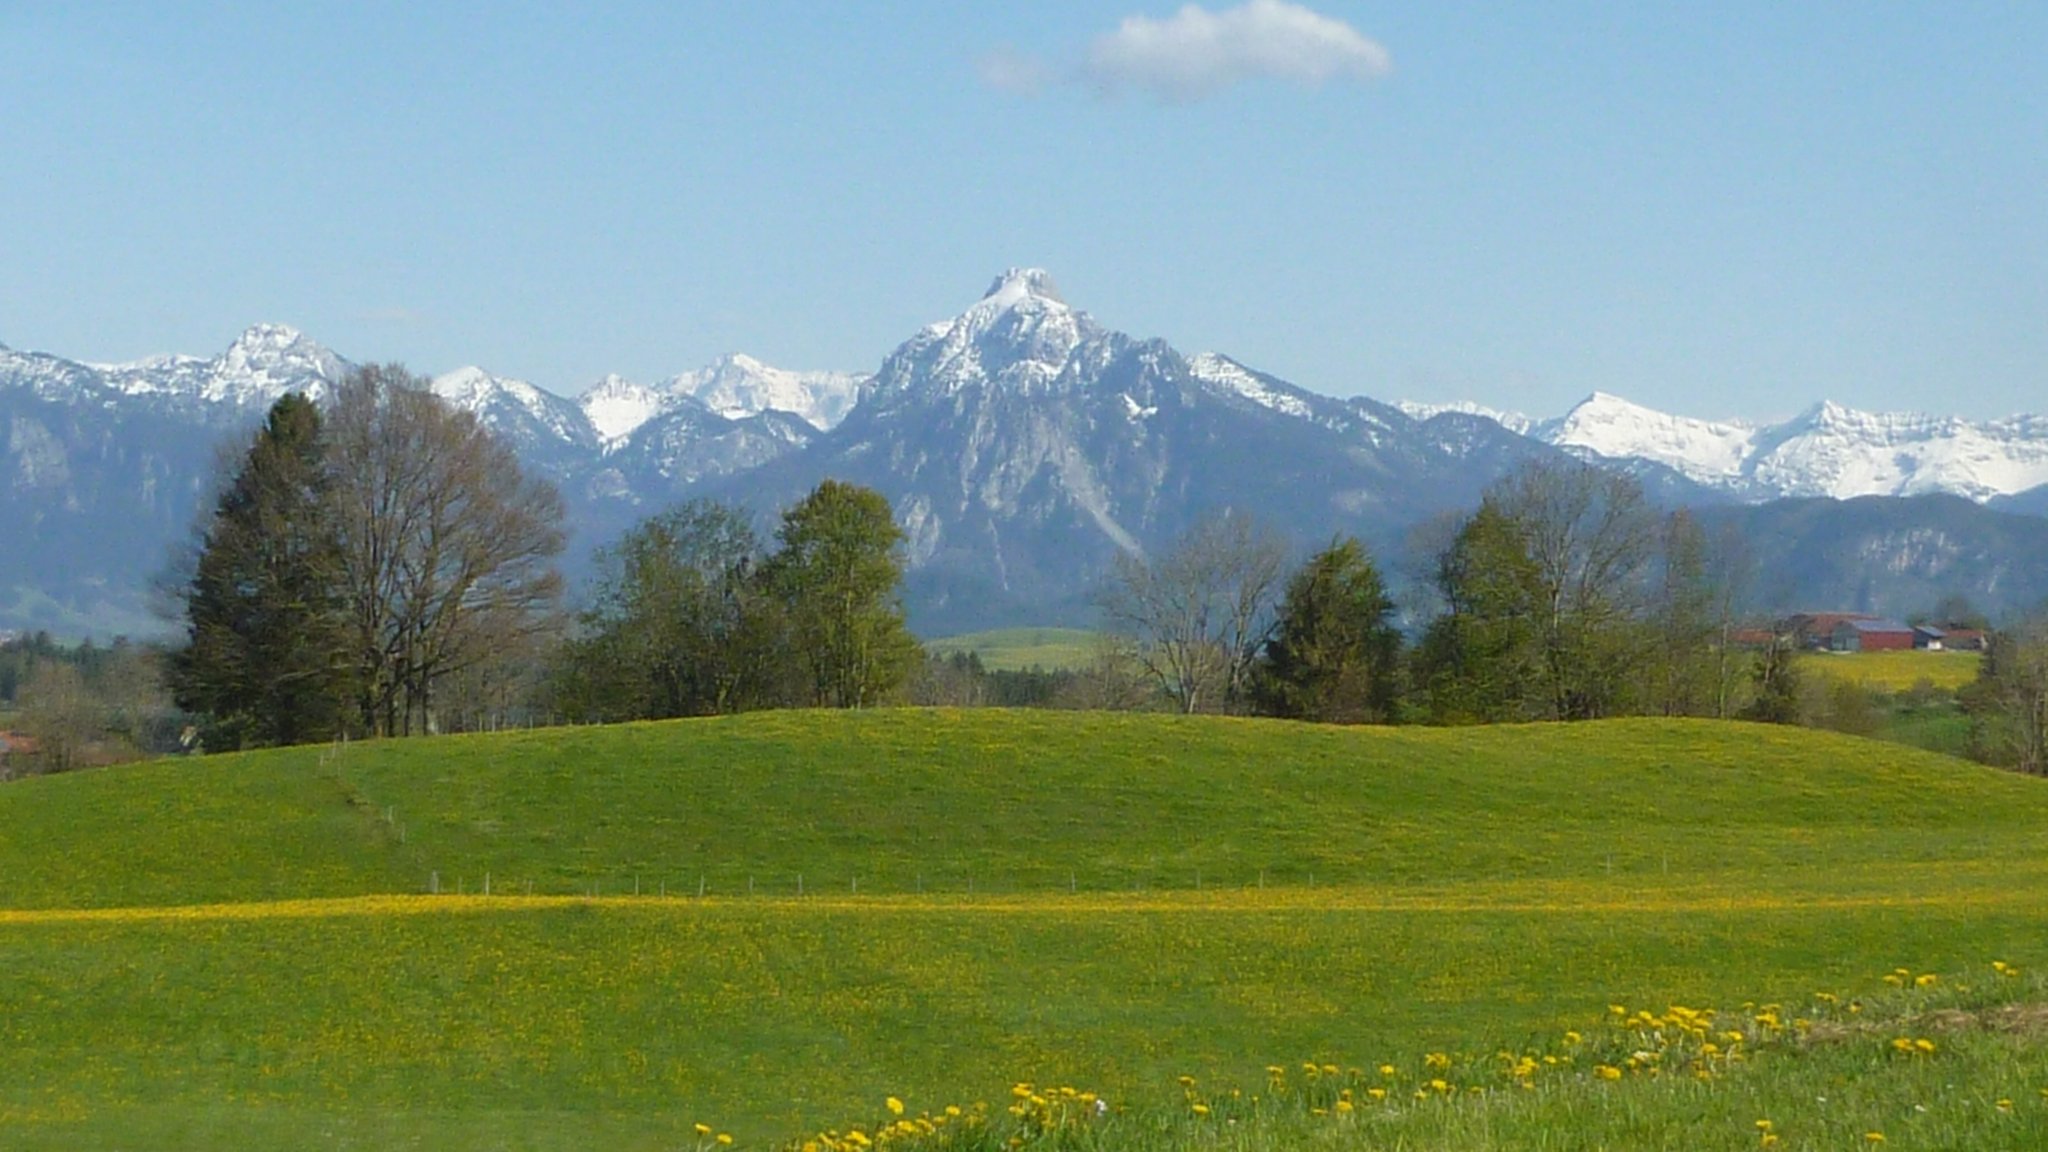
[(1197, 52)]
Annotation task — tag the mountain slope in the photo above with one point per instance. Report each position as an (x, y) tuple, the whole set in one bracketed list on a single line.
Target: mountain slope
[(1891, 556), (1024, 444)]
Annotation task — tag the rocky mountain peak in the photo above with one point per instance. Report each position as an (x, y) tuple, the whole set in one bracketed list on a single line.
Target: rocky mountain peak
[(1016, 284), (268, 360), (1020, 335)]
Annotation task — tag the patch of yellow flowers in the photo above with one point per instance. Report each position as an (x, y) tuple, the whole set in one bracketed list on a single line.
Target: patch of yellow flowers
[(1699, 1043)]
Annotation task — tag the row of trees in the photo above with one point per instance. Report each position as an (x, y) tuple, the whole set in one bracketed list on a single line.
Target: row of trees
[(1564, 596), (380, 564), (84, 706), (692, 616)]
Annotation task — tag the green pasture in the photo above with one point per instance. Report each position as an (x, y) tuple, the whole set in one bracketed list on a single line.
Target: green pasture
[(1896, 671), (1022, 649), (198, 957)]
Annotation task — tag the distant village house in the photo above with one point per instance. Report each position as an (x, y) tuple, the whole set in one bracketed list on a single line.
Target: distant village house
[(1872, 636)]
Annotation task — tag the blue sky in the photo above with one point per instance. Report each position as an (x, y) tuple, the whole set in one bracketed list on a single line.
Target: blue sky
[(1719, 209)]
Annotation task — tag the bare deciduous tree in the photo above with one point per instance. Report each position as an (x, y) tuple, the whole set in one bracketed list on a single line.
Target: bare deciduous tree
[(447, 546), (1591, 537), (1199, 613)]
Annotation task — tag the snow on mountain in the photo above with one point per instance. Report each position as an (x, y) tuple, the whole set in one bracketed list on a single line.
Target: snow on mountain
[(1020, 336), (1829, 450), (1701, 450), (737, 387), (1229, 374), (264, 363), (616, 407), (1512, 421), (1834, 451), (515, 409)]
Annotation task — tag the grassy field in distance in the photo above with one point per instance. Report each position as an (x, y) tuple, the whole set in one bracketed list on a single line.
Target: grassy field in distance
[(1896, 671), (1021, 649), (1102, 901)]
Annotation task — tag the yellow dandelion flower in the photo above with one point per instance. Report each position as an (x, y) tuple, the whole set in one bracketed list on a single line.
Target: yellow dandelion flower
[(1874, 1137), (1201, 1109), (1925, 979), (703, 1129), (1386, 1069), (1607, 1072), (1924, 1045), (894, 1106), (1764, 1125), (725, 1138), (1770, 1140), (1381, 1093), (1344, 1107)]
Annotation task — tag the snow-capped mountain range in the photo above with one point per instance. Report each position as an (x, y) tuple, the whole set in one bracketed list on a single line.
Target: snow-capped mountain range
[(1023, 443), (1828, 450)]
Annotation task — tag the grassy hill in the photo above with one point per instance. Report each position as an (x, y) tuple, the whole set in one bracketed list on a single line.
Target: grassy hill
[(903, 801), (1151, 897)]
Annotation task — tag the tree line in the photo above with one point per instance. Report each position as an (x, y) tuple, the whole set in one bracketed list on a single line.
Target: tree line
[(380, 565), (1564, 596)]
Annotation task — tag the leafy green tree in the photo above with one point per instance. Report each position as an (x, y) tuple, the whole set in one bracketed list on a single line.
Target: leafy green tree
[(1556, 560), (265, 655), (680, 625), (2008, 702), (836, 576), (1779, 686), (1334, 655), (1481, 660)]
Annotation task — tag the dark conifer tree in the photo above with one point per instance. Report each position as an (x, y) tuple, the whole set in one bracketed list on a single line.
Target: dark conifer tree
[(265, 656), (1334, 656)]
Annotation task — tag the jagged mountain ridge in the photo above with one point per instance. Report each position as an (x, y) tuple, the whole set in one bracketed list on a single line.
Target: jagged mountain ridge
[(103, 467), (1827, 450), (1023, 443)]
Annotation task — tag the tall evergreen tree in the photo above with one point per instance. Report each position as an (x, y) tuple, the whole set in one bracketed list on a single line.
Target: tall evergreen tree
[(836, 576), (1333, 656), (265, 656)]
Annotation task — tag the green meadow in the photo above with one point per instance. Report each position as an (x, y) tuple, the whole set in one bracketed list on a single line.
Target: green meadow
[(771, 924), (1022, 649)]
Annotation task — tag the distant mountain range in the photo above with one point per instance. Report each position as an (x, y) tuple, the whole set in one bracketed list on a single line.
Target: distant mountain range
[(1023, 444), (1828, 450)]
